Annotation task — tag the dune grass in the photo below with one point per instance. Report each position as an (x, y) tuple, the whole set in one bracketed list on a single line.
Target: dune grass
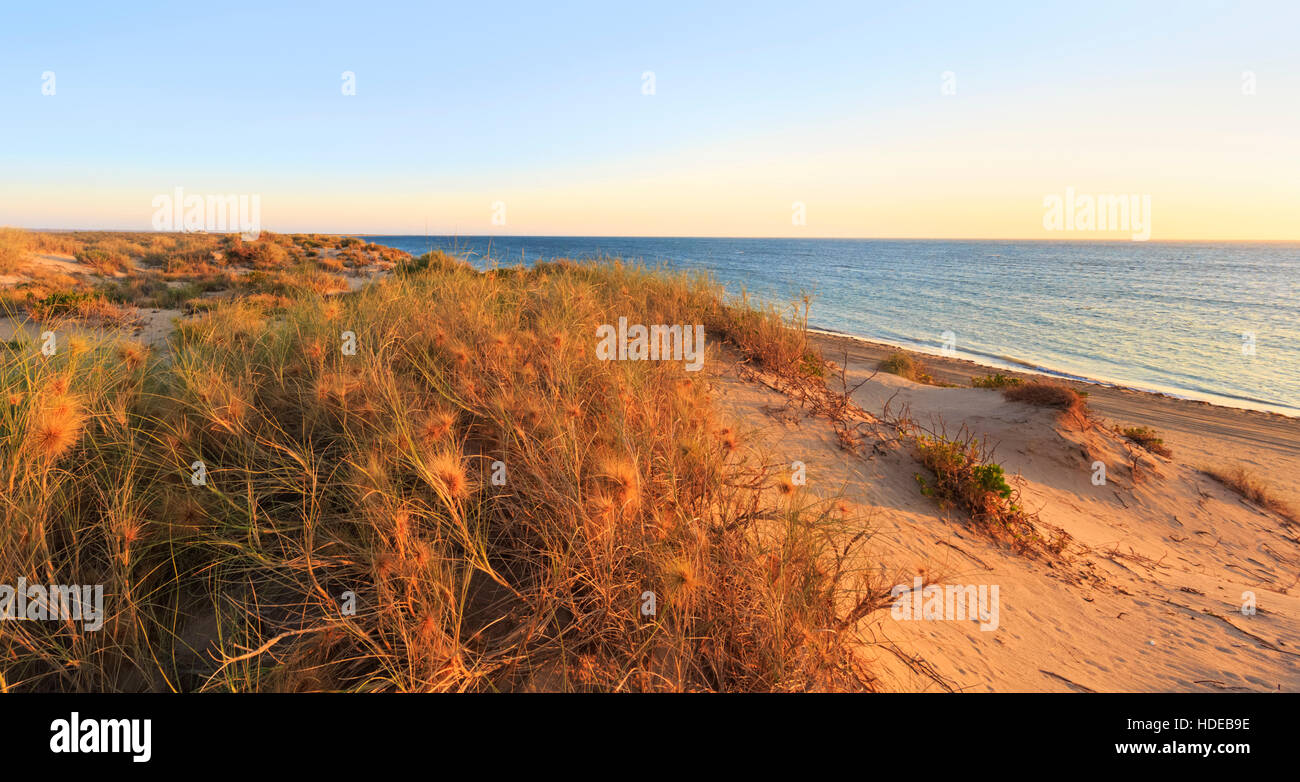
[(13, 250), (1240, 480), (171, 271), (1044, 394), (1146, 437), (468, 501), (906, 365)]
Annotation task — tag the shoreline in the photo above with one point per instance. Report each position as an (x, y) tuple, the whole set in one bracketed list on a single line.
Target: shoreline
[(1158, 554), (1201, 434), (1028, 368)]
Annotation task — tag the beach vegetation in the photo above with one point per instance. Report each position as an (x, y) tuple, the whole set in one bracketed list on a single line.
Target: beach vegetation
[(14, 247), (1239, 479), (964, 475), (996, 380), (465, 500), (1146, 437), (105, 262), (1041, 393), (906, 365)]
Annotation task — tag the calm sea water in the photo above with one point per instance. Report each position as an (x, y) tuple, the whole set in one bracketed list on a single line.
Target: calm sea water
[(1159, 316)]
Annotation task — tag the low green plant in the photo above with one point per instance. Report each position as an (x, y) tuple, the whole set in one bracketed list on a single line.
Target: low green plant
[(996, 380), (966, 477)]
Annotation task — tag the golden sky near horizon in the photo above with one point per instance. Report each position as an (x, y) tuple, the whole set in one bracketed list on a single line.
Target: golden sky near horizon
[(973, 173), (1202, 186)]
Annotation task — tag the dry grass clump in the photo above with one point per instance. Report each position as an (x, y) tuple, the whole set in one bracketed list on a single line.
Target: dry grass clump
[(304, 278), (774, 340), (1146, 437), (469, 501), (14, 246), (906, 365), (1044, 394), (1240, 480), (70, 512), (104, 262), (84, 306), (359, 255), (264, 253), (1051, 395), (439, 261)]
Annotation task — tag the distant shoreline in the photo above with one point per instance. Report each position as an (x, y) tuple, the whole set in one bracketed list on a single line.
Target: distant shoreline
[(373, 235), (1028, 368)]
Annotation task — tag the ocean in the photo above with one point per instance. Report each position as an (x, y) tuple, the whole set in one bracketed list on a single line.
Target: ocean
[(1216, 321)]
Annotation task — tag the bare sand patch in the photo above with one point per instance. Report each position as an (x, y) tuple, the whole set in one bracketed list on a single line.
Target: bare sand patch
[(1148, 596)]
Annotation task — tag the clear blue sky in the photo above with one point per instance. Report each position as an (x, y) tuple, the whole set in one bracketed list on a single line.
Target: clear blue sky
[(541, 106)]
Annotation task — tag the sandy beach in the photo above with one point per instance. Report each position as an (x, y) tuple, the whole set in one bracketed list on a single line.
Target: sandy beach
[(1200, 433), (1149, 594)]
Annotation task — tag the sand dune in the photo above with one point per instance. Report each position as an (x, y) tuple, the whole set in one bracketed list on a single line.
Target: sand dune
[(1149, 595)]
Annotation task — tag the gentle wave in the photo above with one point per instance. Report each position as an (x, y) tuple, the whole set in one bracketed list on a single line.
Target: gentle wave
[(1022, 365)]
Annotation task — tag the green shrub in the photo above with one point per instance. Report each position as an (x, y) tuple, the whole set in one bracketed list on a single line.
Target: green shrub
[(966, 477), (996, 380)]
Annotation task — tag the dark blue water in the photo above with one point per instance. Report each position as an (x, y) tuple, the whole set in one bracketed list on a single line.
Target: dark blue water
[(1160, 316)]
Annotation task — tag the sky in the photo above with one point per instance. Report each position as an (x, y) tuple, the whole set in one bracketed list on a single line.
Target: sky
[(856, 119)]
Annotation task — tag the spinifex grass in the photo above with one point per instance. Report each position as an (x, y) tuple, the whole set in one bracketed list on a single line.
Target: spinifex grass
[(906, 365), (168, 270), (1242, 481), (469, 501)]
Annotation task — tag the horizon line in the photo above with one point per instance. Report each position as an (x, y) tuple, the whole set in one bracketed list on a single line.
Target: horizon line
[(1063, 240)]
